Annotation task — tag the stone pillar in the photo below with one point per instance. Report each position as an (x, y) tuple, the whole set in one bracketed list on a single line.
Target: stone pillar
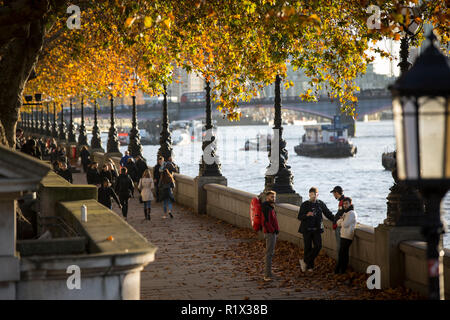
[(9, 260), (387, 251)]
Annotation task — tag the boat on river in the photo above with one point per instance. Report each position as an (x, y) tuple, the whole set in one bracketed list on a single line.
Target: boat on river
[(326, 141), (262, 142)]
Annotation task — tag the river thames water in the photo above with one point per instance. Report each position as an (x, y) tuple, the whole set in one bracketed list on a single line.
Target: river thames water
[(362, 177)]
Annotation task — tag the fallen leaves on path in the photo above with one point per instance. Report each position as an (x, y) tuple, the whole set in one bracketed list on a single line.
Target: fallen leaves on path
[(248, 256)]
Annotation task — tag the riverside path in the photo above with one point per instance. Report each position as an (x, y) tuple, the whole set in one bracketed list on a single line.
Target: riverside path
[(201, 257)]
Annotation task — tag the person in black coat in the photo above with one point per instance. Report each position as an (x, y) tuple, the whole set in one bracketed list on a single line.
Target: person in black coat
[(65, 172), (311, 226), (85, 158), (125, 189), (92, 175), (157, 176), (141, 166), (106, 173), (132, 170), (105, 193)]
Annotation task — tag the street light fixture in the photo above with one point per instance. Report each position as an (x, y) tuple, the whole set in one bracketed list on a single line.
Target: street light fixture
[(421, 105)]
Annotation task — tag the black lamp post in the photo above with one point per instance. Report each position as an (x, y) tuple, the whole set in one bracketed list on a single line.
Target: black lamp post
[(41, 124), (135, 147), (210, 167), (82, 138), (165, 140), (281, 179), (405, 206), (96, 141), (71, 135), (62, 127), (421, 103), (54, 126), (48, 132), (113, 138)]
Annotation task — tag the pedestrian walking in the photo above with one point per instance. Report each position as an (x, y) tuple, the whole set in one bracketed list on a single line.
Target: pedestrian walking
[(166, 185), (311, 227), (132, 170), (105, 193), (338, 194), (92, 174), (85, 156), (141, 166), (347, 222), (113, 169), (65, 172), (125, 190), (145, 187), (106, 173), (157, 176), (124, 159), (271, 230)]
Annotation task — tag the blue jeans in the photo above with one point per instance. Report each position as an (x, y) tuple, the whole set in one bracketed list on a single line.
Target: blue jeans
[(167, 204), (148, 204)]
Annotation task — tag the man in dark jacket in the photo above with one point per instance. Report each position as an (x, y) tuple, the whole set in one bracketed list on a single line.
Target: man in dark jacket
[(65, 172), (85, 158), (338, 194), (132, 170), (271, 230), (105, 193), (125, 189), (157, 176), (141, 166), (311, 226), (92, 174)]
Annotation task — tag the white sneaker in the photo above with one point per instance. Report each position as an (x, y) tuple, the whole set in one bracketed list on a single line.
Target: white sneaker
[(267, 279), (310, 270), (302, 265), (164, 217)]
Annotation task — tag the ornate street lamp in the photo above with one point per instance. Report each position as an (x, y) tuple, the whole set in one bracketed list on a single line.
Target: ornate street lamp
[(212, 166), (96, 141), (165, 140), (62, 127), (405, 206), (54, 126), (421, 108), (135, 147), (280, 178), (82, 137), (113, 138), (71, 134), (48, 132)]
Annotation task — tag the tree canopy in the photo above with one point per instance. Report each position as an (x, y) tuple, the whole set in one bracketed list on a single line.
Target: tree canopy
[(239, 45)]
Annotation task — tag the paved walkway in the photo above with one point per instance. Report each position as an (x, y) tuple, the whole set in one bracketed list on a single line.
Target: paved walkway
[(201, 257)]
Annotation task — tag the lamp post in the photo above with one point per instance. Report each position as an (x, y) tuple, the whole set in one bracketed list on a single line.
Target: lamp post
[(135, 147), (71, 135), (212, 166), (62, 127), (96, 141), (54, 126), (33, 125), (165, 140), (279, 177), (113, 138), (421, 100), (82, 138), (48, 132), (404, 205)]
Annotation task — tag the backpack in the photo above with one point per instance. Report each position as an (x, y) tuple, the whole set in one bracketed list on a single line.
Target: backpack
[(256, 215)]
